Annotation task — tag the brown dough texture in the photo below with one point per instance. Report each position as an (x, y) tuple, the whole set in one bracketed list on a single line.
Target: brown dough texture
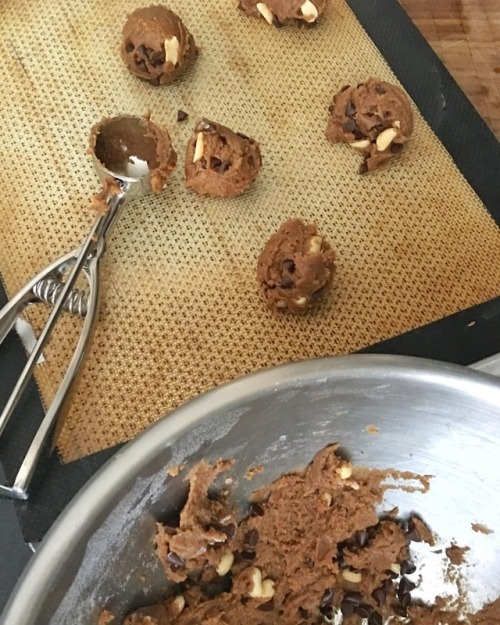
[(220, 162), (281, 12), (156, 46), (311, 544), (295, 268), (153, 145), (374, 117)]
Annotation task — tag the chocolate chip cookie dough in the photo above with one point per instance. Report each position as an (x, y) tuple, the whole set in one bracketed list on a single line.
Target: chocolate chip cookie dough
[(220, 162), (281, 12), (375, 118), (156, 46), (295, 268), (311, 549)]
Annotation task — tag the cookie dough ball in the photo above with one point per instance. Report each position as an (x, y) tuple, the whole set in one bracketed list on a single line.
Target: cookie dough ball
[(281, 12), (156, 46), (221, 162), (295, 268), (374, 117)]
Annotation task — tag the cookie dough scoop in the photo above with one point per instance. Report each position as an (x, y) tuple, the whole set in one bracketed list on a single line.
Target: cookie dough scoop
[(132, 156), (156, 46)]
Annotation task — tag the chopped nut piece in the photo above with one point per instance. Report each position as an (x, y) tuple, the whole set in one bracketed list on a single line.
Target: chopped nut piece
[(327, 498), (397, 124), (256, 578), (351, 576), (309, 11), (267, 589), (266, 12), (200, 147), (225, 564), (395, 568), (315, 245), (301, 301), (360, 145), (344, 471), (172, 50), (385, 139), (281, 304), (176, 607)]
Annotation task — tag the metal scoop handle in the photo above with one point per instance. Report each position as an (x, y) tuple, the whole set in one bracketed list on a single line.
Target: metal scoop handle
[(84, 259)]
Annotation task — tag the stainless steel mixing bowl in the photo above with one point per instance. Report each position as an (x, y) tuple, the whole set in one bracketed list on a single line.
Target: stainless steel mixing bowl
[(432, 418)]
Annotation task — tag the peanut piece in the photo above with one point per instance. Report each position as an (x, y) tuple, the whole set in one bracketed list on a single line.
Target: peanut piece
[(256, 579), (385, 139), (172, 50), (315, 245), (301, 301), (267, 589), (395, 568), (344, 471), (309, 11), (351, 576), (266, 12), (327, 498), (225, 564), (176, 607), (360, 145), (200, 147)]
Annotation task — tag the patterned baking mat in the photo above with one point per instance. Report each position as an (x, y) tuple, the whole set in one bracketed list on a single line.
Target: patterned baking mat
[(180, 312)]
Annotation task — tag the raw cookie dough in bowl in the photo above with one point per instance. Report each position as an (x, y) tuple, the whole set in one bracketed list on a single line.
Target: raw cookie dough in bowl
[(373, 117), (281, 12), (220, 162), (156, 46), (295, 268)]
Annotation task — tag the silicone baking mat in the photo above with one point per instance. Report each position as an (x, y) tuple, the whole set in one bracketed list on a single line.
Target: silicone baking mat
[(180, 311)]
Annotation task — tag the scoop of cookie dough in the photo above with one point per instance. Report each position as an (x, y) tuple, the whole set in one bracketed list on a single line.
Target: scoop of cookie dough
[(374, 117), (221, 162), (156, 46), (295, 268), (281, 12)]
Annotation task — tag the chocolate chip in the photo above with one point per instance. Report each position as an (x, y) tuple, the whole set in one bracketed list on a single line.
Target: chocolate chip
[(362, 538), (215, 162), (251, 161), (326, 599), (129, 47), (266, 607), (182, 116), (363, 610), (349, 125), (251, 538), (288, 265), (379, 89), (349, 109), (396, 148), (405, 600), (375, 618), (248, 555), (223, 167), (223, 140), (256, 509), (363, 168), (412, 534), (407, 567), (175, 562), (276, 22), (242, 136), (303, 612), (154, 81), (141, 66), (331, 108), (358, 135), (203, 162), (157, 58), (344, 88), (229, 530), (354, 597), (286, 282), (399, 610), (347, 608), (379, 595), (405, 586)]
